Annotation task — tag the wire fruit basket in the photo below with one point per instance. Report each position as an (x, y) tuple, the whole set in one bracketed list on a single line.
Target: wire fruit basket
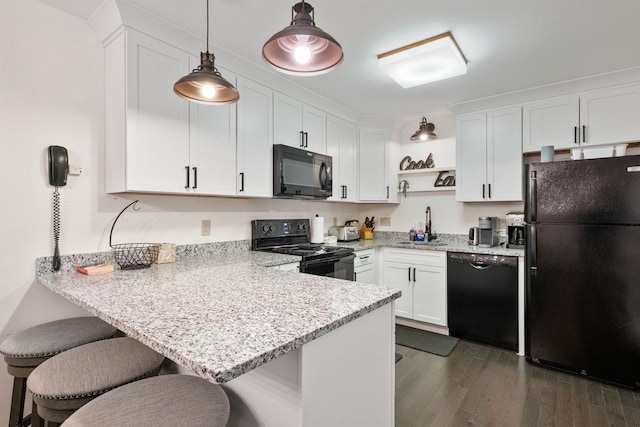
[(133, 256)]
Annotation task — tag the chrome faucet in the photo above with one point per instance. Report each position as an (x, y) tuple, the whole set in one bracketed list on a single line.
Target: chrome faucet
[(427, 225)]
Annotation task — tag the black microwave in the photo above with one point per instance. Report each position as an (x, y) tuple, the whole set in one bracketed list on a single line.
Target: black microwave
[(300, 174)]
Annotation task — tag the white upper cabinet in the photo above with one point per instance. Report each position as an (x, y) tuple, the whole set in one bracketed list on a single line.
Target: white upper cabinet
[(550, 122), (255, 140), (341, 146), (489, 156), (610, 116), (602, 117), (147, 125), (212, 148), (156, 141), (298, 125), (373, 182)]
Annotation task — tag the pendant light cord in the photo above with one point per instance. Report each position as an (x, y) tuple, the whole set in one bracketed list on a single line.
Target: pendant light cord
[(207, 26)]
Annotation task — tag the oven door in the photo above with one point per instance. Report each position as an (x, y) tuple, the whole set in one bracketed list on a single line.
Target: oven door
[(337, 267)]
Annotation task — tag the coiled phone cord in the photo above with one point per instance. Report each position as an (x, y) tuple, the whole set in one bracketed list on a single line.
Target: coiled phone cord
[(56, 229)]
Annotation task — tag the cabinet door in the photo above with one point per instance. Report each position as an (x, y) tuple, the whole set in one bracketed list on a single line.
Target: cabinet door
[(471, 157), (348, 143), (314, 125), (372, 161), (504, 155), (365, 274), (157, 121), (610, 116), (550, 122), (396, 275), (341, 146), (334, 136), (287, 121), (430, 295), (213, 146), (255, 140)]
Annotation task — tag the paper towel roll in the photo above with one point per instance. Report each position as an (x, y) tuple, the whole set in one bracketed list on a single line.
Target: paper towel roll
[(317, 229), (546, 153)]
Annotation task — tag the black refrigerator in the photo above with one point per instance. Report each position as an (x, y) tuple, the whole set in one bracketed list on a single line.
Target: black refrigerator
[(582, 304)]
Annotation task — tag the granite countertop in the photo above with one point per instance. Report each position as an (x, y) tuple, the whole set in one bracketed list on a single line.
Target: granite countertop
[(445, 242), (219, 315)]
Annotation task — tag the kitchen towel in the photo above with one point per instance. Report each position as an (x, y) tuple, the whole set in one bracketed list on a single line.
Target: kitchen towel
[(317, 229)]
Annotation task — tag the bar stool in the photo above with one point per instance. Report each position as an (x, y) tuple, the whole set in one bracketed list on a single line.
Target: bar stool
[(26, 349), (69, 380), (165, 400)]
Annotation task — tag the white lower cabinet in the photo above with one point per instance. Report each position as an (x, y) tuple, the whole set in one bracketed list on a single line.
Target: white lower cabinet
[(364, 267), (421, 276)]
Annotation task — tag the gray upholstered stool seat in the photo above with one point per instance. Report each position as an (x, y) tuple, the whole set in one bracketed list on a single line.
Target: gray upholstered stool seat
[(26, 349), (166, 400), (65, 382)]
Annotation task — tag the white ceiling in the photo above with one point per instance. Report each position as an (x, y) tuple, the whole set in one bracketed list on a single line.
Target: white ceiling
[(510, 45)]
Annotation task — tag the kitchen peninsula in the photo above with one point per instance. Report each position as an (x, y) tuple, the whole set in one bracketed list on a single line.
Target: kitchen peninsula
[(290, 349)]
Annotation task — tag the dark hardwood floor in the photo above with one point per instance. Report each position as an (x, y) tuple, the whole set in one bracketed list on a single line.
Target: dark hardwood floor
[(480, 385)]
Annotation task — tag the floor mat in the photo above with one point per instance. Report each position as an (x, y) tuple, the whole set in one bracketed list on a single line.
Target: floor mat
[(442, 345)]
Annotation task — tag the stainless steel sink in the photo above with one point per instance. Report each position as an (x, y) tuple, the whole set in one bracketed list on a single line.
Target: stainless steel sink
[(413, 243)]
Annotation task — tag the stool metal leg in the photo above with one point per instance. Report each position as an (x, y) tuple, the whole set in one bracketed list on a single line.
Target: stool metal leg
[(17, 401), (36, 421)]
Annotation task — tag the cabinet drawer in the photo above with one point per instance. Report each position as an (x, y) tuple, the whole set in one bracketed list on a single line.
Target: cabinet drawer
[(416, 256), (365, 257)]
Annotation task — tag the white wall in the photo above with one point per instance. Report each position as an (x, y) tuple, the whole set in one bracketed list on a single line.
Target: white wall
[(52, 93)]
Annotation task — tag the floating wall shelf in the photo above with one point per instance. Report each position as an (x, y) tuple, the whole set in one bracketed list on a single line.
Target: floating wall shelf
[(423, 180)]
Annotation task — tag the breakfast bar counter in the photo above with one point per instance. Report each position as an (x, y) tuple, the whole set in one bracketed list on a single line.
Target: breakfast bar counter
[(285, 344)]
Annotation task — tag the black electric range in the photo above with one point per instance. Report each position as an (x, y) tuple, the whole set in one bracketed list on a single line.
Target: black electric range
[(293, 237)]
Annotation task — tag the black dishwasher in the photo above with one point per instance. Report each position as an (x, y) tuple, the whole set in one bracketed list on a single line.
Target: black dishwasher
[(482, 298)]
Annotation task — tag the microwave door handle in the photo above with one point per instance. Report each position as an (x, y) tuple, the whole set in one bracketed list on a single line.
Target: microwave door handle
[(324, 176)]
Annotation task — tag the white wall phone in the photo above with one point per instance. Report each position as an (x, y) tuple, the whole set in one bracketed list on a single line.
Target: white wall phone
[(58, 171)]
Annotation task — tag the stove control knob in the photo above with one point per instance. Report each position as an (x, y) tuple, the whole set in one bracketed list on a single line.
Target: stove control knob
[(267, 228), (301, 227)]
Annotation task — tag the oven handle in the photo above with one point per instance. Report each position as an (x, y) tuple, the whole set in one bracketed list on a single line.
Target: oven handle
[(331, 260)]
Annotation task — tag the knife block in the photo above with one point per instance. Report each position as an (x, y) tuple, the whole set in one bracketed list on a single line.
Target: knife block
[(366, 233)]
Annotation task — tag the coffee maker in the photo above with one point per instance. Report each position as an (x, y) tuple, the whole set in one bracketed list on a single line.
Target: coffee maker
[(515, 230), (488, 231)]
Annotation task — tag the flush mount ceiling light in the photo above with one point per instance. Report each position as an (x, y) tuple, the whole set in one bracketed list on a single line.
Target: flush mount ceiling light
[(302, 49), (426, 61), (425, 133), (205, 84)]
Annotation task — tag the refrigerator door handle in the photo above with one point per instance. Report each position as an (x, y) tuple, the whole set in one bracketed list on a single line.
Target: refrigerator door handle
[(532, 247), (531, 202)]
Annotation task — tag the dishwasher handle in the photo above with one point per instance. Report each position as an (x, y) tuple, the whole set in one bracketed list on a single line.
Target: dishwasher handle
[(479, 266)]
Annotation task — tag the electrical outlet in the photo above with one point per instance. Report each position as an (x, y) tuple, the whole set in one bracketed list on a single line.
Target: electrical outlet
[(206, 227), (75, 170), (385, 220)]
